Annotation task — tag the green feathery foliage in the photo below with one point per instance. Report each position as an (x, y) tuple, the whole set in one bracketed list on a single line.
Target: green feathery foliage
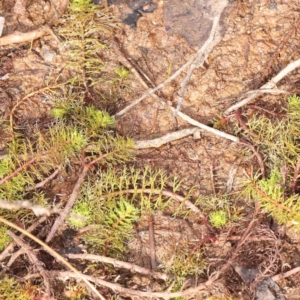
[(81, 30), (222, 210), (4, 237), (114, 200), (278, 141), (271, 195), (10, 289)]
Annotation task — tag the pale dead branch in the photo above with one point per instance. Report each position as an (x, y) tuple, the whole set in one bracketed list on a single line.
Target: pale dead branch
[(45, 181), (134, 293), (183, 116), (120, 264), (268, 86), (37, 209), (15, 255), (54, 254), (20, 37), (63, 215), (173, 195), (33, 259), (286, 274), (169, 137), (172, 77), (201, 56)]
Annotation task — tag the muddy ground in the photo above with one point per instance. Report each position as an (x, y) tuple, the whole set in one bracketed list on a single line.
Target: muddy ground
[(258, 38)]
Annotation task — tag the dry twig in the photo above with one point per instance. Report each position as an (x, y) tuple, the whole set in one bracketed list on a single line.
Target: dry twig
[(269, 85), (37, 210), (69, 204), (54, 254), (201, 56), (286, 274), (45, 181), (169, 137), (33, 259), (71, 201), (10, 247), (151, 92), (120, 264), (19, 37)]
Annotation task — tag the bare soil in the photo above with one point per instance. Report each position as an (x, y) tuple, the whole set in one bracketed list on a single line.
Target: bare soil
[(257, 42)]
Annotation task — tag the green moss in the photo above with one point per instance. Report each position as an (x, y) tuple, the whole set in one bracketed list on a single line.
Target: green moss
[(4, 237), (218, 218), (10, 289), (278, 141)]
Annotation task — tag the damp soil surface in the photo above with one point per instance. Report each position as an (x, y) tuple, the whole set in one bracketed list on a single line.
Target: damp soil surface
[(257, 39)]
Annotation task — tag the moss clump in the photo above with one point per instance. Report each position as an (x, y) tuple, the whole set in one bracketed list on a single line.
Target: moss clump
[(10, 289), (4, 237), (218, 218), (278, 141)]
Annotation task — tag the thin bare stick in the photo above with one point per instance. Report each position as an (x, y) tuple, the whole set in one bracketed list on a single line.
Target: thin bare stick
[(277, 52), (269, 85), (180, 114), (127, 63), (167, 138), (286, 274), (152, 243), (33, 259), (19, 37), (172, 77), (129, 292), (37, 210), (205, 127), (10, 247), (20, 169), (120, 264), (201, 56), (15, 256), (45, 181), (63, 215), (54, 254)]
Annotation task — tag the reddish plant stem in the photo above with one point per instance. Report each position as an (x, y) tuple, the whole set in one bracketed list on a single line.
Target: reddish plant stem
[(295, 178), (258, 156), (243, 125), (61, 218), (152, 242), (262, 193), (17, 171), (266, 111)]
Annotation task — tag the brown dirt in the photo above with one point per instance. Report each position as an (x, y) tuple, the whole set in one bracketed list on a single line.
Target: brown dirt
[(253, 30)]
